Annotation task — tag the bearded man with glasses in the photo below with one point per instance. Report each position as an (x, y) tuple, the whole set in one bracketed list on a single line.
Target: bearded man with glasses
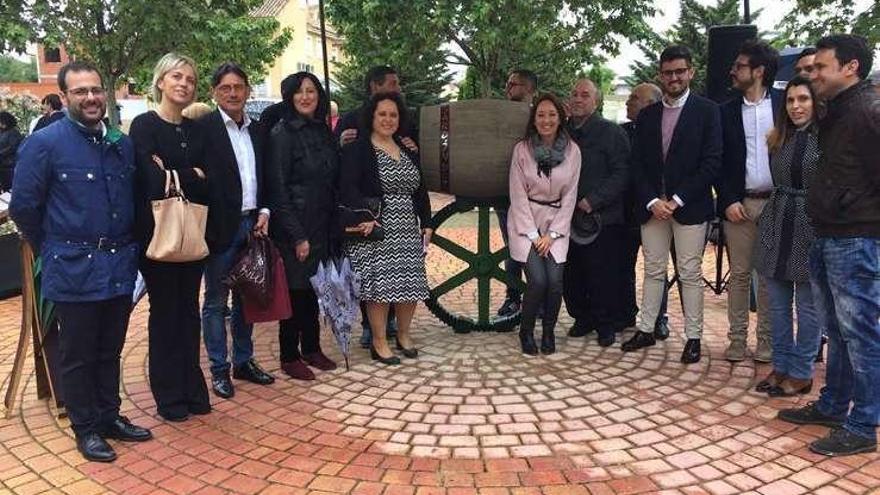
[(676, 157), (74, 204)]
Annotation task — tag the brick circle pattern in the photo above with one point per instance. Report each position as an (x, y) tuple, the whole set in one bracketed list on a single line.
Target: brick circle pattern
[(470, 415)]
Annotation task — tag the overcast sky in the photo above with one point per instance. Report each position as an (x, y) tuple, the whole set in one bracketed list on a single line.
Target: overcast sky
[(773, 12)]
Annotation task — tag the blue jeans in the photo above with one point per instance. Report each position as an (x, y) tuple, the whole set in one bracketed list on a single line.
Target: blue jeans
[(846, 288), (216, 294), (793, 354)]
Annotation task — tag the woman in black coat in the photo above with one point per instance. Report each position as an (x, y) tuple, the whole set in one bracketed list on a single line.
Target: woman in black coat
[(304, 161), (10, 138)]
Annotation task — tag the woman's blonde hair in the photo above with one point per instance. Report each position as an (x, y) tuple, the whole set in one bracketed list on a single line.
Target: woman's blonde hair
[(166, 64), (197, 110)]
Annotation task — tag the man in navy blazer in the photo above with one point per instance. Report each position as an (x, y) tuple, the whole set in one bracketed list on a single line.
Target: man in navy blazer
[(744, 188), (676, 158)]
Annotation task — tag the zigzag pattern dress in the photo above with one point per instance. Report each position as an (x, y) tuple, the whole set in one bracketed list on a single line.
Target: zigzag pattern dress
[(393, 269)]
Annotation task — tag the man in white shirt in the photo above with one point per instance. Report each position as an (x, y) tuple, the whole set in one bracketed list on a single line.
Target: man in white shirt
[(744, 188), (234, 165)]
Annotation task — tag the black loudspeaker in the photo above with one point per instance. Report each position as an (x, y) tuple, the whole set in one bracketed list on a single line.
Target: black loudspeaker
[(724, 42)]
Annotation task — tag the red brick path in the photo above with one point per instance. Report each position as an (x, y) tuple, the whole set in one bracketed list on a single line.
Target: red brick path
[(470, 416)]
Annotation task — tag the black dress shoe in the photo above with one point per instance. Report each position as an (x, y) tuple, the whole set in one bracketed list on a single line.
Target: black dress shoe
[(407, 353), (391, 361), (122, 429), (252, 372), (638, 341), (222, 387), (527, 343), (175, 418), (95, 448), (661, 330), (579, 329), (691, 352), (606, 340), (548, 342)]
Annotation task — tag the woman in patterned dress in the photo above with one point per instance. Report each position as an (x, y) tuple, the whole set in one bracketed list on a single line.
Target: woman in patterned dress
[(785, 237), (378, 169)]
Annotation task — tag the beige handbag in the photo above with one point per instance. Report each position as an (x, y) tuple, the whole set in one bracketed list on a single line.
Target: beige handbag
[(179, 234)]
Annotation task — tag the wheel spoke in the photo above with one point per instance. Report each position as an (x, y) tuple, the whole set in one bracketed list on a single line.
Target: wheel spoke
[(483, 231), (452, 282), (452, 248), (483, 299)]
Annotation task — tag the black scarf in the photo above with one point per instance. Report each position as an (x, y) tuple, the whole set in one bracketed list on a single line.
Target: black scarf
[(548, 157)]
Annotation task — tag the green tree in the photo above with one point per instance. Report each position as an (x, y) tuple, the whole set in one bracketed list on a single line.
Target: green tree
[(809, 20), (691, 30), (19, 22), (124, 38), (14, 70), (553, 38)]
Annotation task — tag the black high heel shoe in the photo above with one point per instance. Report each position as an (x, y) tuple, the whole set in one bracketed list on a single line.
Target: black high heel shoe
[(407, 353), (393, 360)]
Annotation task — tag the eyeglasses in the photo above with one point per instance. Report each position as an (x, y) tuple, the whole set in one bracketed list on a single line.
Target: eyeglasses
[(739, 65), (83, 92), (230, 88), (668, 74)]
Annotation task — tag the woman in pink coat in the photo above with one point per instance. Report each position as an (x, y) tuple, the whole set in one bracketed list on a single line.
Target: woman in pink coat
[(544, 174)]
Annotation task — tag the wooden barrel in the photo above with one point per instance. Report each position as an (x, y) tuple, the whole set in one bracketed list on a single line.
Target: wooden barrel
[(465, 146)]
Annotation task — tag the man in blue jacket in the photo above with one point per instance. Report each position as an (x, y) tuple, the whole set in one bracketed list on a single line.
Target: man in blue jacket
[(74, 205)]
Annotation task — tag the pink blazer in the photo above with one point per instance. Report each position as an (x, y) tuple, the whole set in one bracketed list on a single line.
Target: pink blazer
[(527, 216)]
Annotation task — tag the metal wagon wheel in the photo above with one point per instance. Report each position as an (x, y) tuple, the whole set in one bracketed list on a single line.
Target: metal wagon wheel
[(482, 265)]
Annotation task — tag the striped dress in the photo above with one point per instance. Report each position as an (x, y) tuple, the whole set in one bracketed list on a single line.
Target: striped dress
[(393, 269)]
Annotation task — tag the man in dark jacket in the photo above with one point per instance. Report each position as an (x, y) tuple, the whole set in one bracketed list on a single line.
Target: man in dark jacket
[(593, 285), (844, 205), (239, 206), (744, 188), (74, 204), (676, 158)]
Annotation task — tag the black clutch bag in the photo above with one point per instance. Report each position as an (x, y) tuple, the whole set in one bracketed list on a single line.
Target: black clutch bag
[(352, 217)]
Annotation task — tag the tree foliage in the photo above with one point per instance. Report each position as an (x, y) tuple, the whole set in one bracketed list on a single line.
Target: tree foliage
[(15, 70), (809, 20), (19, 22), (691, 30), (554, 38), (124, 38)]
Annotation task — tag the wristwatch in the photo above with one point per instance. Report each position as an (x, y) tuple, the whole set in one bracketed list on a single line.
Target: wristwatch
[(555, 235)]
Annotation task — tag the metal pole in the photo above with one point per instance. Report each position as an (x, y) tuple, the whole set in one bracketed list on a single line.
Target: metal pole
[(324, 48), (747, 15)]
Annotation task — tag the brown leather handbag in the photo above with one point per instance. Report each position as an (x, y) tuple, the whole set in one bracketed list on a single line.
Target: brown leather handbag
[(179, 233)]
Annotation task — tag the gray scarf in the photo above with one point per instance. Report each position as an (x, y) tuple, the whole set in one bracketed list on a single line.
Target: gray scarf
[(548, 156)]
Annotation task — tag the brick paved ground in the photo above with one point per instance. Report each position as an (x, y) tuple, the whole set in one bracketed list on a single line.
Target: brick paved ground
[(470, 416)]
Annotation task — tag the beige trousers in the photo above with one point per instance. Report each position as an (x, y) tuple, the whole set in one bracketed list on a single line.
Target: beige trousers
[(740, 239), (657, 236)]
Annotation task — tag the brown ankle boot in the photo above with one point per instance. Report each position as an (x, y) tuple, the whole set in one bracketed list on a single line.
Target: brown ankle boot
[(772, 380), (791, 387)]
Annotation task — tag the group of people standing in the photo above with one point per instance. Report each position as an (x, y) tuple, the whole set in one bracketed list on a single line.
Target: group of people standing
[(83, 199), (794, 175)]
